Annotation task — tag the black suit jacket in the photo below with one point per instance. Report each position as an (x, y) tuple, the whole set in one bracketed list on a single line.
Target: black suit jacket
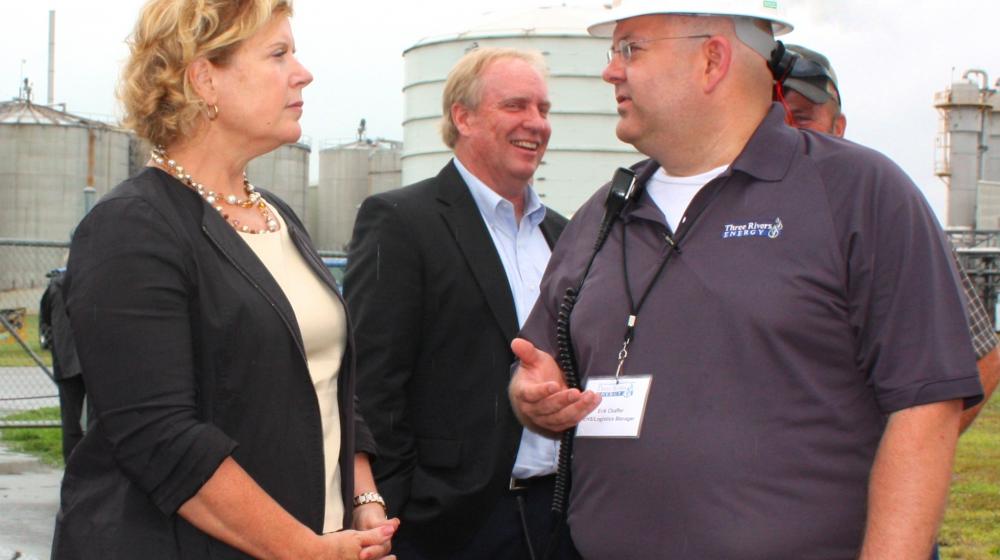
[(190, 353), (434, 317)]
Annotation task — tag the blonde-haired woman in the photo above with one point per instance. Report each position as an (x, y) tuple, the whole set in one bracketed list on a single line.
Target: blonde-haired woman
[(213, 341)]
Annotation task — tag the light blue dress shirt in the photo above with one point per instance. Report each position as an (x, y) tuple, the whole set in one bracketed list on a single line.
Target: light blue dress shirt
[(524, 254)]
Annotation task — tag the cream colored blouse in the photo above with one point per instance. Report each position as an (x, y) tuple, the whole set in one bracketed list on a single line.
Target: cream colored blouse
[(323, 324)]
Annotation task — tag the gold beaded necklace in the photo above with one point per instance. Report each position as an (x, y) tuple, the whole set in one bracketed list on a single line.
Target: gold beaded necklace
[(253, 199)]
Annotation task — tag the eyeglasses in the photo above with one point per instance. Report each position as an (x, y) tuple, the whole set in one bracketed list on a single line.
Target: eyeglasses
[(625, 47)]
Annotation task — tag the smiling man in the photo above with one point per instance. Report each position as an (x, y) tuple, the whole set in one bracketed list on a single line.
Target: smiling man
[(440, 276), (771, 343)]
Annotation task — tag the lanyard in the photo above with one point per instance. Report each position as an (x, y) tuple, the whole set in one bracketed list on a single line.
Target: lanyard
[(698, 205), (634, 308)]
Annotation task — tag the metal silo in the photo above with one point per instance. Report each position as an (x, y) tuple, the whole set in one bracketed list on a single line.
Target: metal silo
[(47, 158), (285, 172), (966, 109), (385, 167), (348, 173), (583, 151), (311, 218)]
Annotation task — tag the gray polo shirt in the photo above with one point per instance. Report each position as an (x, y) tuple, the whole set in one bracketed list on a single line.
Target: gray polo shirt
[(812, 296)]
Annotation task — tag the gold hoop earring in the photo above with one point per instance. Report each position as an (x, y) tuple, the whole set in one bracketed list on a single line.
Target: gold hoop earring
[(211, 112)]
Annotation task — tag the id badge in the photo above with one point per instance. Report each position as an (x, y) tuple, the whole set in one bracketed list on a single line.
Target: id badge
[(622, 408)]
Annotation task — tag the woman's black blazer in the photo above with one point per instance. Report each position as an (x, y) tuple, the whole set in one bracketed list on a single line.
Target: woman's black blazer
[(190, 353)]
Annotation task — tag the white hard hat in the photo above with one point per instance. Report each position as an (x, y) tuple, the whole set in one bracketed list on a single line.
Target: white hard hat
[(768, 10)]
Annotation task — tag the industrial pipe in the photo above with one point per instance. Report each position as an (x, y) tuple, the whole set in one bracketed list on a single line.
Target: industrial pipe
[(52, 57), (981, 73)]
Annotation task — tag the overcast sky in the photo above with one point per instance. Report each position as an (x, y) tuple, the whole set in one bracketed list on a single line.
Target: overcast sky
[(890, 55)]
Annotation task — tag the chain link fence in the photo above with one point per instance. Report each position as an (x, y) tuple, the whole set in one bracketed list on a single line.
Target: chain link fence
[(25, 368)]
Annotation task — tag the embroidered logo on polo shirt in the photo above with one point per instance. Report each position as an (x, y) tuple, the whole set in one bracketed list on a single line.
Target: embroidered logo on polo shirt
[(753, 229)]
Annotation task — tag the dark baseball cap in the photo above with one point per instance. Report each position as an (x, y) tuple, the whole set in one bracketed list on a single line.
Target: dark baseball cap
[(811, 75)]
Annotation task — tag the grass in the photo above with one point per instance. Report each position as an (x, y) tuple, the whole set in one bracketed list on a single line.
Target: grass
[(44, 443), (971, 529), (11, 353)]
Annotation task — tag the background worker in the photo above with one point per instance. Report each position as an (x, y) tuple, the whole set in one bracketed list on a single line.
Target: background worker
[(813, 97), (53, 323), (812, 94)]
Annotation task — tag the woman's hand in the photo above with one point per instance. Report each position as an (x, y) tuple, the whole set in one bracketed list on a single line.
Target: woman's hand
[(372, 516), (362, 545), (368, 516)]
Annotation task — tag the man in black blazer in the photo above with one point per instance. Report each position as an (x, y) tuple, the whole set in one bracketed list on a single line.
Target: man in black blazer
[(440, 276)]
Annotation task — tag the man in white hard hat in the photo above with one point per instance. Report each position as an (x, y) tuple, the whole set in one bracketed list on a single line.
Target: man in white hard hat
[(771, 342)]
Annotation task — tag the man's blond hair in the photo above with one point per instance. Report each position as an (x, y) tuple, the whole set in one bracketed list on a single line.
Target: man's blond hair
[(465, 87)]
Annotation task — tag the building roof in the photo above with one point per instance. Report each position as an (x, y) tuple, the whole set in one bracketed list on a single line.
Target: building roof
[(20, 111)]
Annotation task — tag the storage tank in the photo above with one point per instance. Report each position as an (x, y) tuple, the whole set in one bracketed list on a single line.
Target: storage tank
[(285, 172), (349, 173), (966, 110), (991, 166), (583, 151), (385, 170), (47, 158), (311, 218)]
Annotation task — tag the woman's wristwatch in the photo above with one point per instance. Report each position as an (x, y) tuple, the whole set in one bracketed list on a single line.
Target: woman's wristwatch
[(371, 498)]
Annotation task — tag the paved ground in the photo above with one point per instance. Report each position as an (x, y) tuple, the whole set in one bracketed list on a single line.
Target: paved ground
[(29, 490), (29, 499)]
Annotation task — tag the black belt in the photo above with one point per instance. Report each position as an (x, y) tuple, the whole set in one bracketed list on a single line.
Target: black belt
[(519, 484)]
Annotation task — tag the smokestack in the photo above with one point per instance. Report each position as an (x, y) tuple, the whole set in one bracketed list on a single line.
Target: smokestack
[(52, 57)]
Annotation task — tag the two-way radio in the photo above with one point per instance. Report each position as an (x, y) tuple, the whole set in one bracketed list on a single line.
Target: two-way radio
[(781, 64), (782, 61)]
